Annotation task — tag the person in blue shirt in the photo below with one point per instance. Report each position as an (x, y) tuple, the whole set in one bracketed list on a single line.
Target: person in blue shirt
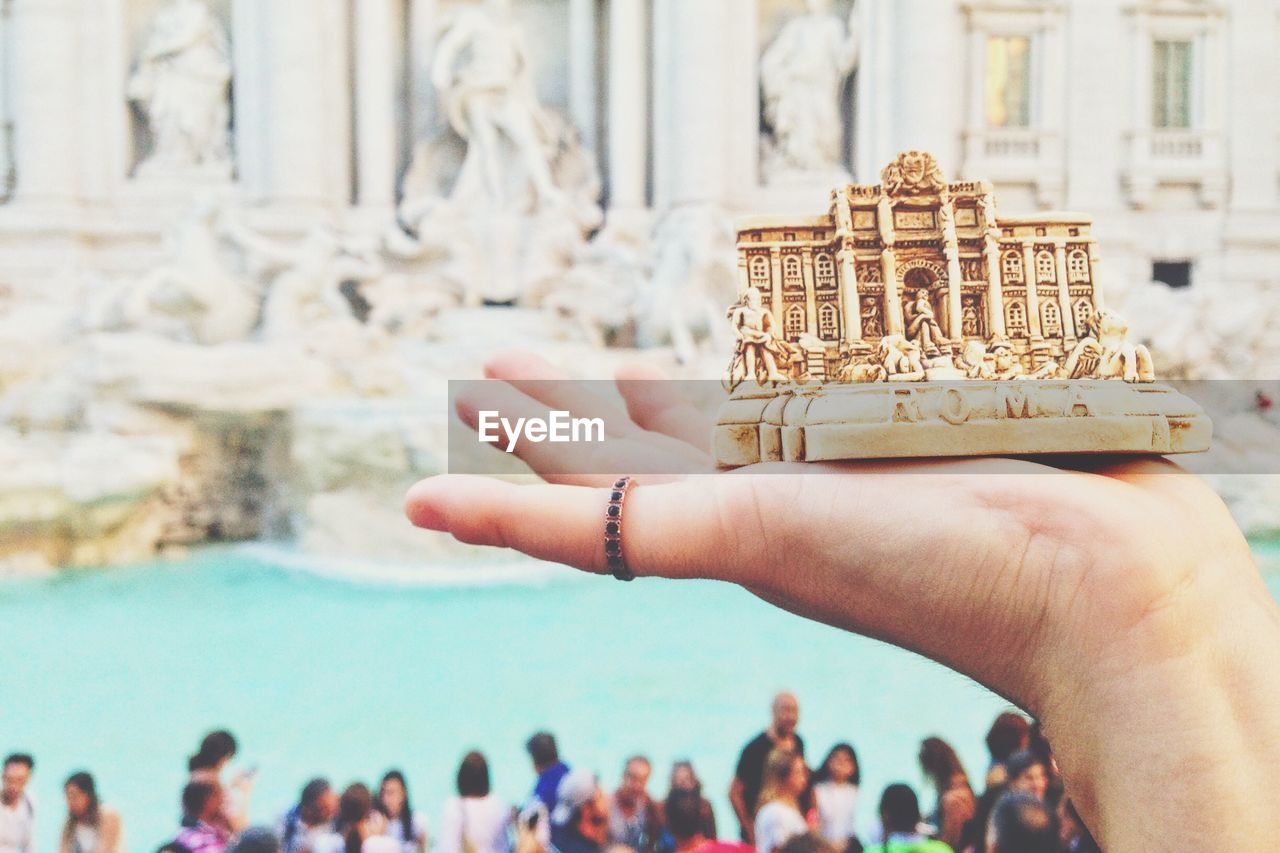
[(547, 764)]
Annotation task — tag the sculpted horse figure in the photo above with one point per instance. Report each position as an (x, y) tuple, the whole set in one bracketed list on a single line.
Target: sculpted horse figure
[(1108, 354)]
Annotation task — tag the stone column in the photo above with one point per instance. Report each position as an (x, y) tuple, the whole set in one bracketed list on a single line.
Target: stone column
[(1033, 296), (923, 87), (628, 116), (691, 110), (307, 138), (582, 69), (1253, 57), (377, 41), (44, 87), (1064, 294)]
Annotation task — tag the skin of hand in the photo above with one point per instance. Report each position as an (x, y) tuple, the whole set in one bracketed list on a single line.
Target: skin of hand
[(1120, 604)]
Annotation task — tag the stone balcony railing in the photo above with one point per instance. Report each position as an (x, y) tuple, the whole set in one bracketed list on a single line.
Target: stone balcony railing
[(1182, 156), (1018, 155)]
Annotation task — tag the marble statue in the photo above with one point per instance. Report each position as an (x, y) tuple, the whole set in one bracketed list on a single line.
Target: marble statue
[(693, 276), (482, 76), (181, 85), (802, 74), (306, 276), (197, 293), (505, 195)]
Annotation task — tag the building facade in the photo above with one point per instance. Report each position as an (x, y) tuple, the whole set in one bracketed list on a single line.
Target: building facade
[(853, 276), (1155, 116)]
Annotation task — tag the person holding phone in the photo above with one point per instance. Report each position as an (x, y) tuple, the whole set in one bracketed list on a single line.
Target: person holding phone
[(206, 766)]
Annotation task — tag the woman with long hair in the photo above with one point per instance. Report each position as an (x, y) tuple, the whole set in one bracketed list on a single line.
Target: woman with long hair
[(404, 825), (206, 766), (956, 802), (91, 826), (778, 814), (684, 779), (835, 791), (475, 821)]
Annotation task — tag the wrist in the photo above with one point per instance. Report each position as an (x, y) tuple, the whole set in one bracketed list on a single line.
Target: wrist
[(1185, 695)]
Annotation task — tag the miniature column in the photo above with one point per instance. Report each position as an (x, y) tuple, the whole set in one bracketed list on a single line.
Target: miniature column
[(850, 309), (1064, 293), (1033, 295), (954, 275), (893, 323), (377, 30), (991, 254), (810, 291), (1094, 263), (850, 305), (892, 301), (775, 276), (45, 88), (995, 292), (628, 107)]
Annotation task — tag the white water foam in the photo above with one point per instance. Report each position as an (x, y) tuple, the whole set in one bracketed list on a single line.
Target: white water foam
[(515, 571)]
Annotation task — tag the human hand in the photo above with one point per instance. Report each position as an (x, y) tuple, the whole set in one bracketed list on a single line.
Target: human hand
[(245, 779), (1120, 604)]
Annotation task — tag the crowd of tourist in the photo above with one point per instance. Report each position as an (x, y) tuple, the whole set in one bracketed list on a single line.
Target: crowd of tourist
[(780, 803)]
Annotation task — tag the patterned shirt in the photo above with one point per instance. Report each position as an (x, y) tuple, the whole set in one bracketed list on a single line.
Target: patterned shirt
[(202, 838)]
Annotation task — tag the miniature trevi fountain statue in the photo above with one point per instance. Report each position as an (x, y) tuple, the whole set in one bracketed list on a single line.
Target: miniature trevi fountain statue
[(833, 360)]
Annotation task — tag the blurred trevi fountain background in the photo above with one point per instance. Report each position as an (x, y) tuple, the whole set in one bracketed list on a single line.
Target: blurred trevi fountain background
[(245, 243)]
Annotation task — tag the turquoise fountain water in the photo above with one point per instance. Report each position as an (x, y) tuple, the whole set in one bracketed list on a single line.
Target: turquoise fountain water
[(121, 672)]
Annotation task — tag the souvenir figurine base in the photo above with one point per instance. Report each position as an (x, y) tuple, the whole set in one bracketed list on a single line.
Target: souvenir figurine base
[(895, 420)]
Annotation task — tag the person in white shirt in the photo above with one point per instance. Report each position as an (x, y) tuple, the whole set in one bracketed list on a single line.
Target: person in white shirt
[(778, 818), (91, 827), (17, 812), (475, 821), (836, 792), (405, 825)]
